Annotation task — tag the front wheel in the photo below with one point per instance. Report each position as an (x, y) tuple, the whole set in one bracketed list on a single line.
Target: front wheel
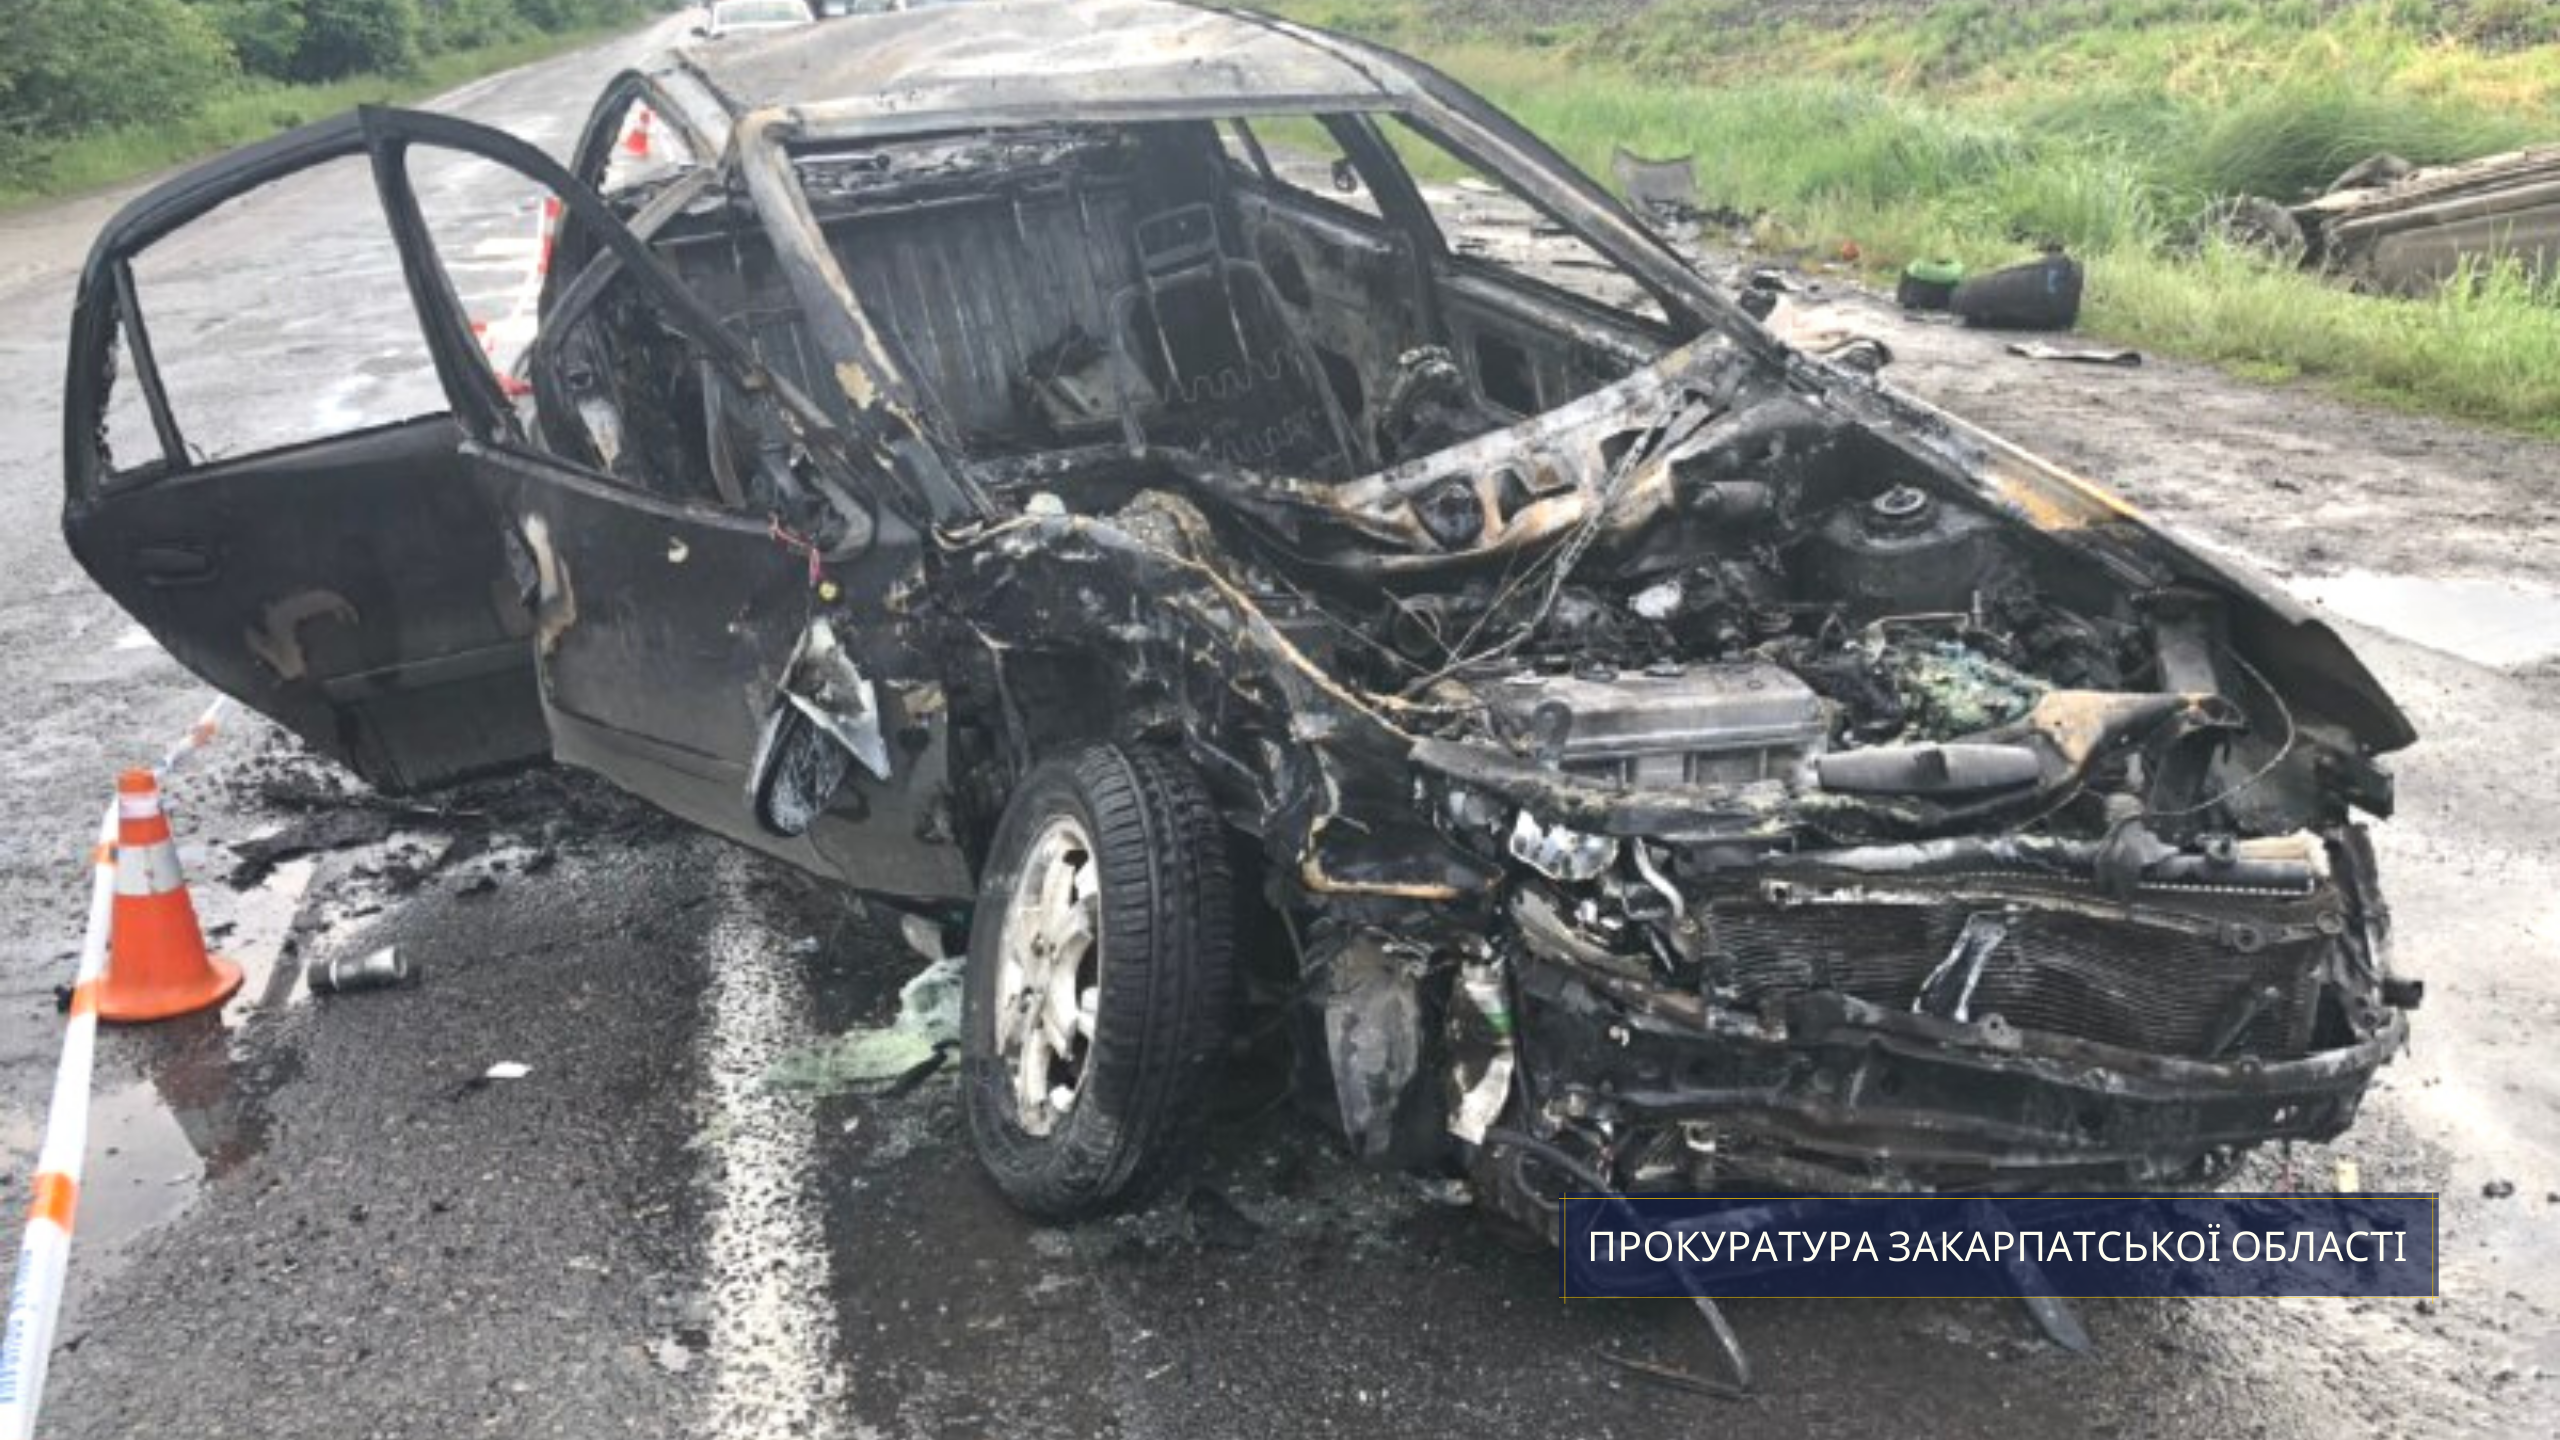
[(1101, 979)]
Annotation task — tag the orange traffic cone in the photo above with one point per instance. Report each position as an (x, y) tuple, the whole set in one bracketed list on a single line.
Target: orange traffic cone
[(635, 141), (156, 964)]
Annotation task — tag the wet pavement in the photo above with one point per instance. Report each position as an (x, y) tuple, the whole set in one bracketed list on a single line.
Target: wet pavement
[(2496, 623), (317, 1216)]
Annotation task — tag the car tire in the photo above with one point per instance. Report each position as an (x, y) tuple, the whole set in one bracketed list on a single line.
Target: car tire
[(2039, 295), (1124, 847)]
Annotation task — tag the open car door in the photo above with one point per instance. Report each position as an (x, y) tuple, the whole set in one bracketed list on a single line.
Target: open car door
[(433, 593), (349, 582)]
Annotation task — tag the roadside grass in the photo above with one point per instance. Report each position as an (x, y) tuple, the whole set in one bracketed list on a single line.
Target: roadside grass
[(257, 109), (2485, 348), (1977, 131)]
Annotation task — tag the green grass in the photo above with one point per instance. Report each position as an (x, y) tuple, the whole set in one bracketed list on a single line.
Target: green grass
[(2487, 349), (256, 110), (1975, 130)]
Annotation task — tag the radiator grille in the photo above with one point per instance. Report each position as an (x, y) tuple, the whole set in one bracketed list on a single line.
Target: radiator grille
[(2141, 987)]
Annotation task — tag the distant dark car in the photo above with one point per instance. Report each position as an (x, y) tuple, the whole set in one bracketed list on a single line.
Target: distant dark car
[(1054, 469)]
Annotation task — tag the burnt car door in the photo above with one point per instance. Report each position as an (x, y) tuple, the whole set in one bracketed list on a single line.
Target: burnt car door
[(391, 593), (710, 565), (289, 518)]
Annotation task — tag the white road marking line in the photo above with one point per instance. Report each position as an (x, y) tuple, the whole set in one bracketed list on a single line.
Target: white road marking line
[(773, 1320)]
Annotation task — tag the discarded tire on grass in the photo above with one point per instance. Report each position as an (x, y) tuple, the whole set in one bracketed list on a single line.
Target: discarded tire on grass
[(2041, 295)]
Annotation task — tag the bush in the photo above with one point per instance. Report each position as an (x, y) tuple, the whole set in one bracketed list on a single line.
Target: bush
[(71, 66), (556, 15), (469, 24), (265, 34), (2291, 140), (327, 39), (350, 37)]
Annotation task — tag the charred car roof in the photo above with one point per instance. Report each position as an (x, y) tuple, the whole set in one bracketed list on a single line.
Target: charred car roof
[(1107, 59)]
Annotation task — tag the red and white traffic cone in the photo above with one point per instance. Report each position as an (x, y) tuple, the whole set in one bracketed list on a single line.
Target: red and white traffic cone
[(156, 962)]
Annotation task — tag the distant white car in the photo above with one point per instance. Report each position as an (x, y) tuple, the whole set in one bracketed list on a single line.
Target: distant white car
[(743, 17)]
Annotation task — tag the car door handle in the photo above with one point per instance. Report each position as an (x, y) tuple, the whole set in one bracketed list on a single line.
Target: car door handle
[(173, 564)]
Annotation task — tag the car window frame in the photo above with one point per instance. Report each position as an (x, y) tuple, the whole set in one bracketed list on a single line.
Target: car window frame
[(1267, 174), (1667, 327), (574, 304), (592, 156), (493, 422), (108, 310), (135, 335), (490, 417)]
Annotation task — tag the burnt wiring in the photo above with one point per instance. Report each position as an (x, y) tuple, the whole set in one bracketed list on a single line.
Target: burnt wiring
[(1557, 564), (1514, 575)]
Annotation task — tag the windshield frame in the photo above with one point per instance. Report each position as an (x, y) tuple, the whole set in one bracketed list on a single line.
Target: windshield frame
[(889, 408)]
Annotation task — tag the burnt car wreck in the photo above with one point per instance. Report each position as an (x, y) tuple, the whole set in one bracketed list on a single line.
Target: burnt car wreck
[(1629, 751)]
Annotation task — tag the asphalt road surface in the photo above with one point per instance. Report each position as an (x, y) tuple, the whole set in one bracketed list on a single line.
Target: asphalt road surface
[(311, 1217)]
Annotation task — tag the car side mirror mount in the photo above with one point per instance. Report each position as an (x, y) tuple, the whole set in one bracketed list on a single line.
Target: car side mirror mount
[(825, 720)]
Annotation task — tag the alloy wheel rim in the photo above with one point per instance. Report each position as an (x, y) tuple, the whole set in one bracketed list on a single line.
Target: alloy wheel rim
[(1049, 975)]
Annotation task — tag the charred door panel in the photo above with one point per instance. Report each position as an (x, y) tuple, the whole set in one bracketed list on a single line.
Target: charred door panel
[(665, 636), (678, 590), (356, 590), (353, 586), (662, 633)]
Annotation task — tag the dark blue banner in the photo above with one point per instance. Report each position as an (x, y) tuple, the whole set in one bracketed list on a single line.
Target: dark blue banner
[(1995, 1247)]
